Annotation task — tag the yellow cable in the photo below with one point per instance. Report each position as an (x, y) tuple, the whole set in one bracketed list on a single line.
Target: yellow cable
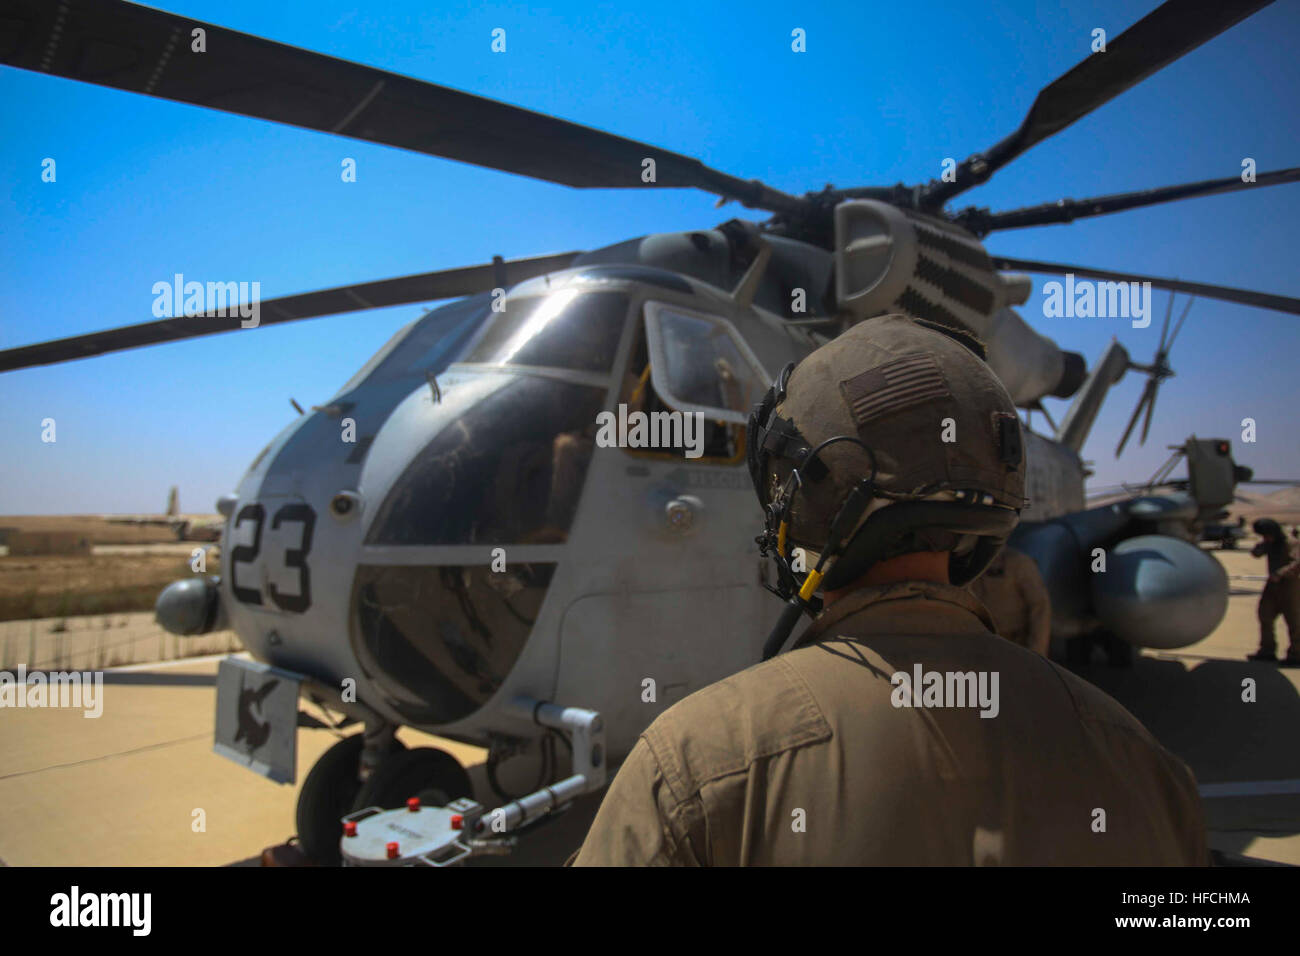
[(810, 585)]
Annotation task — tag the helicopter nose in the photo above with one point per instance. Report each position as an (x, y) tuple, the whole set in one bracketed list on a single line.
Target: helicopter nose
[(498, 474)]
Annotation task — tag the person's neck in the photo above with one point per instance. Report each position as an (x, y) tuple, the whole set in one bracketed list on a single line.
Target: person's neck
[(929, 566)]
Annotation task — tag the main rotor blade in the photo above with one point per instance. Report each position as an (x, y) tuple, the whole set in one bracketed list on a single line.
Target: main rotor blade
[(1171, 30), (982, 222), (1262, 300), (426, 287), (128, 47)]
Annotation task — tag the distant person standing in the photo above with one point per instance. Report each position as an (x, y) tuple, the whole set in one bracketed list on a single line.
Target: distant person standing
[(1281, 593), (1012, 590)]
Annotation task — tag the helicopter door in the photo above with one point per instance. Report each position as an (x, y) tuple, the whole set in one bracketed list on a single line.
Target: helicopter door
[(670, 598), (699, 363)]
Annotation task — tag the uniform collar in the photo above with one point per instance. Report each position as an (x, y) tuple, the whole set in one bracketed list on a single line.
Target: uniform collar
[(916, 607)]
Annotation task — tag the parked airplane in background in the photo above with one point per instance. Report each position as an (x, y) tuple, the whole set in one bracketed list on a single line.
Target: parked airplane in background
[(186, 527)]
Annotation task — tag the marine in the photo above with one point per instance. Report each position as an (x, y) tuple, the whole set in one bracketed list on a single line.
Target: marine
[(1013, 592), (1281, 594), (804, 758)]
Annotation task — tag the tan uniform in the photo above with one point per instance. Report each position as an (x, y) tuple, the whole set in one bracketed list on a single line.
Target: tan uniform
[(805, 760), (1013, 591), (1281, 596)]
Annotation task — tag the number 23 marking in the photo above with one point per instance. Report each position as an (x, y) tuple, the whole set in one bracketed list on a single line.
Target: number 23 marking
[(293, 557)]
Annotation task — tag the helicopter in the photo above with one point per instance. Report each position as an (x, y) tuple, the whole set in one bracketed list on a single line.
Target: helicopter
[(448, 544)]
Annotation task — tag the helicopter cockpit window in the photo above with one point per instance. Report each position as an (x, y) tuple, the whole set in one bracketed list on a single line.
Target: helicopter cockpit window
[(568, 329), (428, 344), (700, 364), (440, 640), (511, 470)]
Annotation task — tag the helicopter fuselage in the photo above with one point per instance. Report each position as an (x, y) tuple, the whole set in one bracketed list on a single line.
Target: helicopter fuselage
[(481, 544)]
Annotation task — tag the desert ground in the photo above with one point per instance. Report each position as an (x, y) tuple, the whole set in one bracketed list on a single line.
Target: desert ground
[(99, 528), (127, 567)]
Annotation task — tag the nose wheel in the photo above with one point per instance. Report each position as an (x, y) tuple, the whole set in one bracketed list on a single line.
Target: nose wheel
[(328, 793), (435, 776)]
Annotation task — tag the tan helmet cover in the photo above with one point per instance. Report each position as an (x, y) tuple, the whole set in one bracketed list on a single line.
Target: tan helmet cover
[(933, 413)]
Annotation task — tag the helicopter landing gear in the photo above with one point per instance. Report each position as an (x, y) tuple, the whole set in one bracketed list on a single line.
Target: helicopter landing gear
[(328, 793), (435, 776)]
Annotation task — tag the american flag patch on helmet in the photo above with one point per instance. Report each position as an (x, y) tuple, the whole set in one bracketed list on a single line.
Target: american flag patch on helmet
[(896, 385)]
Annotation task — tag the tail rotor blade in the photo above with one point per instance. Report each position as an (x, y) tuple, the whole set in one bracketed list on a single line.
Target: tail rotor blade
[(1151, 407), (1133, 421), (1179, 326), (1164, 329)]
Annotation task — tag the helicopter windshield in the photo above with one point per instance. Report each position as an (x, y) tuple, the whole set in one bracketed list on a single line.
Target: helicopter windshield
[(568, 329), (430, 343)]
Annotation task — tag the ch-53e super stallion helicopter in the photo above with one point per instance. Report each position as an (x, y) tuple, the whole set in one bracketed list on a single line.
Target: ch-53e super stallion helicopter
[(476, 564)]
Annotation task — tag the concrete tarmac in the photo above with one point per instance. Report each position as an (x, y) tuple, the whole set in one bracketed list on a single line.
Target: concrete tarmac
[(132, 786), (126, 788)]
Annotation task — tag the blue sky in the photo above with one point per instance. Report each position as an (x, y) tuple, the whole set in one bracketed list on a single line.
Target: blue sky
[(884, 93)]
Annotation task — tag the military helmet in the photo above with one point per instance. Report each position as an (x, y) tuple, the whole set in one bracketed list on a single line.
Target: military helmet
[(1263, 526), (903, 440)]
